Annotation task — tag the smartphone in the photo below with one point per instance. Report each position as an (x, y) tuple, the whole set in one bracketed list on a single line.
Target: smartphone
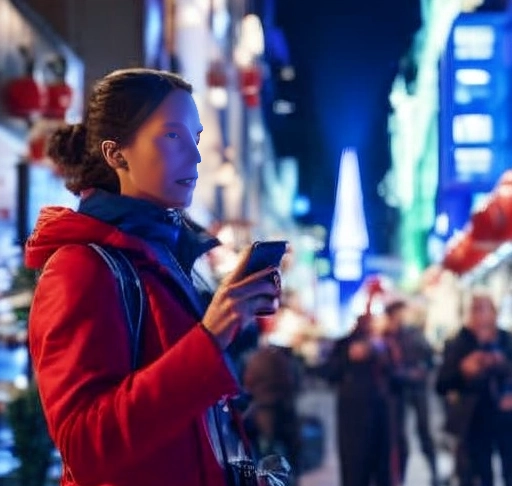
[(265, 254)]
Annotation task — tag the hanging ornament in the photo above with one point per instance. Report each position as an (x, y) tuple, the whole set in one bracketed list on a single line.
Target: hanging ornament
[(250, 80), (463, 253), (374, 287), (217, 81), (38, 136), (37, 149), (492, 223), (216, 76), (24, 97), (59, 92)]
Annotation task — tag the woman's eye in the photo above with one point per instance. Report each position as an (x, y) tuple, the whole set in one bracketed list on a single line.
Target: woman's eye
[(172, 135)]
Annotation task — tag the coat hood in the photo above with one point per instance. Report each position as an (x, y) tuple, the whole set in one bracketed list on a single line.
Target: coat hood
[(59, 226)]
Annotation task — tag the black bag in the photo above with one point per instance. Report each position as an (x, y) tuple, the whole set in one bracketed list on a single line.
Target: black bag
[(458, 410), (131, 292), (312, 447)]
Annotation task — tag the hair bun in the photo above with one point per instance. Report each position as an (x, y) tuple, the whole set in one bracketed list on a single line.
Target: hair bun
[(66, 145)]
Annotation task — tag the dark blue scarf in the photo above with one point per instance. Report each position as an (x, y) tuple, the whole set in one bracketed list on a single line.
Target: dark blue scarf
[(165, 230)]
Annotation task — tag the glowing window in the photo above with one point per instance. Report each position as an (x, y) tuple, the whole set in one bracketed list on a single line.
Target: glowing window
[(472, 128), (474, 41), (472, 77), (472, 85), (470, 161)]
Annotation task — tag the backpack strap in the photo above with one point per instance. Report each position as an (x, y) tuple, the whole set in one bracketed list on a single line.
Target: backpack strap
[(132, 294)]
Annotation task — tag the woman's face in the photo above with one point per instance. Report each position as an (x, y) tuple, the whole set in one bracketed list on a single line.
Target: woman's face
[(163, 156)]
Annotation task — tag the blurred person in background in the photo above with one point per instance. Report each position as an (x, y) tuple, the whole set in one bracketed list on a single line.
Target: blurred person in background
[(359, 365), (474, 378), (272, 378), (413, 362)]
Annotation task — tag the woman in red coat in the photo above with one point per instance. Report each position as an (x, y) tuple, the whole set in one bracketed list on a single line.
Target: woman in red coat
[(133, 162)]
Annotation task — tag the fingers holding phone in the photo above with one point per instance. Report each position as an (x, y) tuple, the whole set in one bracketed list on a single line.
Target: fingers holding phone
[(264, 255), (236, 303), (252, 289), (259, 256)]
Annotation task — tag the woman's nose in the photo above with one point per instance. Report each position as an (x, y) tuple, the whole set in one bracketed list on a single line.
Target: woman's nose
[(196, 154)]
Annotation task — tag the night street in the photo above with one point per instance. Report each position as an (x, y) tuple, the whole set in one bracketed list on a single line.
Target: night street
[(320, 401)]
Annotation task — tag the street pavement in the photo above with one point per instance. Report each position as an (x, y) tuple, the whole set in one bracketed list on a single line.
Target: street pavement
[(318, 400)]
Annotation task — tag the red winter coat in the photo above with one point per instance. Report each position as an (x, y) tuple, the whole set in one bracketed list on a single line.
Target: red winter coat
[(112, 426)]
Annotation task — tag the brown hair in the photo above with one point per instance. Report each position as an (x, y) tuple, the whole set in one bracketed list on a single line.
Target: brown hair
[(119, 104)]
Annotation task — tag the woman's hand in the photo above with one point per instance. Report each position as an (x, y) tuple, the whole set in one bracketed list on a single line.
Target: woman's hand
[(239, 299)]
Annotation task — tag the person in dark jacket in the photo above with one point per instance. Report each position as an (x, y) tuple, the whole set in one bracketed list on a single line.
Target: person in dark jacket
[(359, 367), (413, 364), (474, 379)]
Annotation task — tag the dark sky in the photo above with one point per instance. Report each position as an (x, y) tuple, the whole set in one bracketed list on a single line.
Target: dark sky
[(346, 54)]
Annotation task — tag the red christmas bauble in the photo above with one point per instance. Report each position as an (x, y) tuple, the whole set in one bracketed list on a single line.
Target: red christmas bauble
[(24, 97), (216, 77), (250, 85), (59, 100)]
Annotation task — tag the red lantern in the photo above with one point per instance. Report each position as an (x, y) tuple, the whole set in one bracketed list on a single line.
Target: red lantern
[(463, 253), (374, 286), (38, 137), (216, 77), (59, 93), (493, 222), (250, 85), (23, 96), (59, 100), (37, 149)]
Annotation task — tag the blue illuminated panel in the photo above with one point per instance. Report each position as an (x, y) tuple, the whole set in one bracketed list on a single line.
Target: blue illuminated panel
[(475, 113)]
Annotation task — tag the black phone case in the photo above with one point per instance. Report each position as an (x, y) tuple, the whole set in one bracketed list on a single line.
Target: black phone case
[(265, 254)]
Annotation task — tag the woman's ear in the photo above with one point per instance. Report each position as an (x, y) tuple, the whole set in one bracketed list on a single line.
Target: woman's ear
[(113, 155)]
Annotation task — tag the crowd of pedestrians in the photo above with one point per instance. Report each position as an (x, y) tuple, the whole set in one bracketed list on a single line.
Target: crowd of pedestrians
[(385, 367), (381, 372)]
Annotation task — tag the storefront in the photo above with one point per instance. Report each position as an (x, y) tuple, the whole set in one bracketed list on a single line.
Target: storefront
[(475, 118)]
